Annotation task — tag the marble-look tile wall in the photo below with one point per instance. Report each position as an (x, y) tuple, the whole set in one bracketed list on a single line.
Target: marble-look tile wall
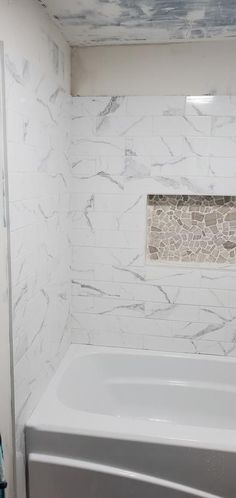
[(37, 73), (124, 148), (6, 416)]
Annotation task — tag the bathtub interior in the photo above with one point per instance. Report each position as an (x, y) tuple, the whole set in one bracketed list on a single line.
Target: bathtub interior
[(167, 389)]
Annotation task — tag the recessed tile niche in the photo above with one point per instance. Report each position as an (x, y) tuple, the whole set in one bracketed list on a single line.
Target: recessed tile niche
[(190, 228)]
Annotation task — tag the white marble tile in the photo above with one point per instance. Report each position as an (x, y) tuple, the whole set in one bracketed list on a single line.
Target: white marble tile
[(172, 311), (182, 125), (111, 165), (175, 184), (85, 127), (222, 167), (201, 297), (207, 105), (222, 146), (112, 256), (166, 145), (136, 166), (97, 221), (91, 272), (16, 127), (229, 349), (103, 146), (38, 140), (128, 126), (217, 315), (184, 166), (209, 347), (215, 331), (25, 186), (121, 239), (119, 203), (83, 238), (167, 344), (224, 126), (81, 202), (101, 182), (28, 159), (126, 274), (188, 276), (155, 106), (108, 306), (98, 106), (108, 238), (129, 291), (91, 324), (195, 146), (82, 167)]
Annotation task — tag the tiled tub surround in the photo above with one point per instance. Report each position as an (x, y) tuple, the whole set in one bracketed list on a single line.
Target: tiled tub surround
[(37, 68), (39, 215), (39, 207), (196, 229), (123, 149)]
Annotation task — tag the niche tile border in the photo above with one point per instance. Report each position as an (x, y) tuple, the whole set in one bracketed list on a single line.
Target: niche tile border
[(191, 229)]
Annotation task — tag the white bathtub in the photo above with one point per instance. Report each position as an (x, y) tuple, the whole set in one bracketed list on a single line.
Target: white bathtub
[(118, 423)]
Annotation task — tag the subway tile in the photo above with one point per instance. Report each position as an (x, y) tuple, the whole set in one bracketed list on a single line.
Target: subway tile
[(167, 344), (114, 256), (120, 239), (182, 125), (224, 126), (99, 146), (119, 203), (165, 145), (195, 166), (155, 106), (210, 105), (222, 167), (100, 183), (222, 146), (124, 126), (107, 306), (98, 106)]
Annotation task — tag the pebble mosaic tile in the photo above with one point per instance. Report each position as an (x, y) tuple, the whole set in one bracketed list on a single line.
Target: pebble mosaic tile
[(187, 228)]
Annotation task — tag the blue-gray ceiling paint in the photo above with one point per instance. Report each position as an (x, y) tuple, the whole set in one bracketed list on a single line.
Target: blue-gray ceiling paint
[(101, 22)]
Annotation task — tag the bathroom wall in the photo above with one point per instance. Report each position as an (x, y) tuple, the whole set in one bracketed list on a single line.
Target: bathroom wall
[(6, 395), (37, 65), (124, 148), (168, 69)]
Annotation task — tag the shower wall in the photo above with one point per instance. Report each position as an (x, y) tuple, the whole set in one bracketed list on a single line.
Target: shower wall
[(124, 148), (6, 418), (37, 66)]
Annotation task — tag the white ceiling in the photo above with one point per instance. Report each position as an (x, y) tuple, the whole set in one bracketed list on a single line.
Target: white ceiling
[(115, 22)]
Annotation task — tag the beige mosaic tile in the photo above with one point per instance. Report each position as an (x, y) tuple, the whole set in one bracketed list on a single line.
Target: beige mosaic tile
[(183, 228)]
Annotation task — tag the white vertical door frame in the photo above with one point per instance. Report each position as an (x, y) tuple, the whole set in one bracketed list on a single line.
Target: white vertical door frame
[(6, 361)]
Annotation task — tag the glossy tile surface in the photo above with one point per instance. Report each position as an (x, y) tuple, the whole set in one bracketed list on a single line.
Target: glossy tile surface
[(124, 148), (37, 63)]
